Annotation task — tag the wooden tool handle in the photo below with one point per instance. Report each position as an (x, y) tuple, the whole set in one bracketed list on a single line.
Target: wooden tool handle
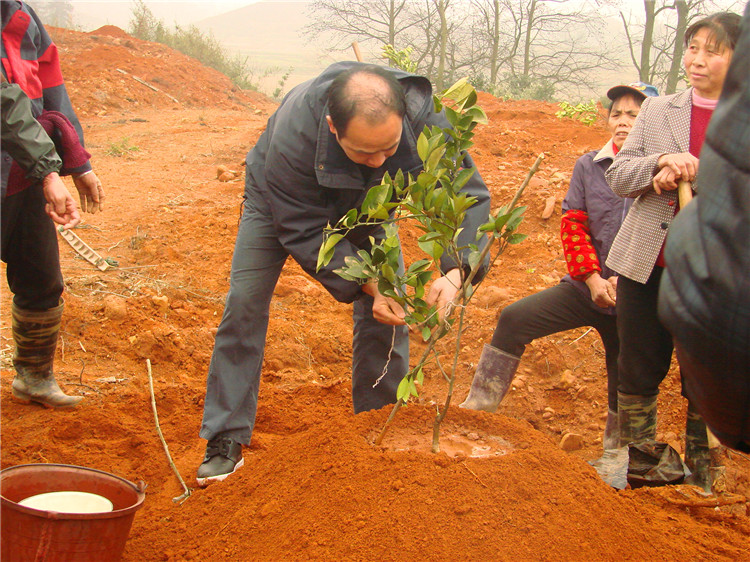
[(684, 193), (357, 52)]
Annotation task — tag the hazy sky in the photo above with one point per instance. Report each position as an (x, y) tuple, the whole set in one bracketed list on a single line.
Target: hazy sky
[(91, 15)]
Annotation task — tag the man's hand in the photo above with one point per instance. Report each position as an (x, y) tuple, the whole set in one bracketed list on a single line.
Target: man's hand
[(384, 309), (90, 192), (61, 207), (675, 167), (603, 291), (443, 290)]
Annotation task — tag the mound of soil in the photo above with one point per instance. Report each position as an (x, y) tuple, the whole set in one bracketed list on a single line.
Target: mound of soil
[(313, 485), (115, 71)]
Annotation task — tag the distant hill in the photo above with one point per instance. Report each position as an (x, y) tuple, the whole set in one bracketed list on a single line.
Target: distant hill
[(270, 33)]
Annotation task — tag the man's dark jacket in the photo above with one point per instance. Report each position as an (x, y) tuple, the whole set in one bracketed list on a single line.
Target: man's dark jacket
[(704, 298), (308, 180)]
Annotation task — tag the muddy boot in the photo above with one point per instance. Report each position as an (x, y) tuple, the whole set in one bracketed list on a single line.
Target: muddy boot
[(611, 437), (697, 452), (492, 379), (637, 418), (35, 334)]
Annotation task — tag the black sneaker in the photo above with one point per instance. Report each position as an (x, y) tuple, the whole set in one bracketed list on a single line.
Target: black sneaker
[(223, 457)]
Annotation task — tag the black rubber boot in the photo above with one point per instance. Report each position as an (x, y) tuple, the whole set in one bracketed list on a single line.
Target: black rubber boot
[(35, 333), (492, 379), (637, 417)]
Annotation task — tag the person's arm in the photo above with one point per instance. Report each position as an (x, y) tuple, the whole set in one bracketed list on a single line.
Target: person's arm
[(23, 137), (632, 171), (55, 98), (30, 146), (580, 255)]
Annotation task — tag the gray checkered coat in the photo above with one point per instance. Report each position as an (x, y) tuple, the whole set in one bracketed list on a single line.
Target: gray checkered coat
[(662, 127)]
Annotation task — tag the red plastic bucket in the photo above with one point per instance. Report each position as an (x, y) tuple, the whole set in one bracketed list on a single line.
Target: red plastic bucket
[(33, 534)]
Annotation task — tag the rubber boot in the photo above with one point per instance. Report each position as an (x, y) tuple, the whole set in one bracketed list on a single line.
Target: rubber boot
[(697, 453), (492, 379), (35, 334), (611, 437), (637, 418)]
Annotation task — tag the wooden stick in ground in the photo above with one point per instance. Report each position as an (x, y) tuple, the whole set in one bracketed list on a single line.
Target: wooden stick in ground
[(357, 52), (161, 436), (154, 88)]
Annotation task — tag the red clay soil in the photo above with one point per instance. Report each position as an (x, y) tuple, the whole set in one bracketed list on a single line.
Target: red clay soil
[(313, 485)]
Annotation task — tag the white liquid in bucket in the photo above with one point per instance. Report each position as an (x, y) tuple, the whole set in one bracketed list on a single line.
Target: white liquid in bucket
[(68, 502)]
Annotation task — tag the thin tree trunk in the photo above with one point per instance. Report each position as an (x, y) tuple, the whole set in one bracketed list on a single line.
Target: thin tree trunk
[(648, 38), (675, 70)]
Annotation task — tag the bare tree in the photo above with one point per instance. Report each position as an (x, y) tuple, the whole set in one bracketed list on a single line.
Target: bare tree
[(657, 55), (489, 37), (533, 48), (383, 22)]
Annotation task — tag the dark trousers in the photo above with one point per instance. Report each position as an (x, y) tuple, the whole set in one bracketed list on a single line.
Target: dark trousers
[(30, 250), (557, 309), (645, 344), (233, 383)]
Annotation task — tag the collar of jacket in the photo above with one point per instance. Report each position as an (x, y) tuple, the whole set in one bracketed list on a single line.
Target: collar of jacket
[(605, 152), (678, 117), (334, 169)]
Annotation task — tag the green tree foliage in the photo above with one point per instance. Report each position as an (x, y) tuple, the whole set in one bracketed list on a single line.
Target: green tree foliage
[(399, 59), (585, 112), (436, 205)]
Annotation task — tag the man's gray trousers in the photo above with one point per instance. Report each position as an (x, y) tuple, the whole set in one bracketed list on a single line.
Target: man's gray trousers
[(234, 373)]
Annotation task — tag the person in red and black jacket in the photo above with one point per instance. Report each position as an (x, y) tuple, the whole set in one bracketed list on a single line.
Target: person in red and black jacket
[(29, 238), (592, 215)]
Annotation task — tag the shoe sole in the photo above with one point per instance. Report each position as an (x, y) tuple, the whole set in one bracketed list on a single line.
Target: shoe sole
[(203, 482)]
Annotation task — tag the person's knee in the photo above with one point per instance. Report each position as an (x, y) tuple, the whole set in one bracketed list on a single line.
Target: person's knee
[(511, 319), (42, 295)]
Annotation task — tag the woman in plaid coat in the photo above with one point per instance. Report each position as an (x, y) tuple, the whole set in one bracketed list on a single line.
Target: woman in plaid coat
[(661, 150)]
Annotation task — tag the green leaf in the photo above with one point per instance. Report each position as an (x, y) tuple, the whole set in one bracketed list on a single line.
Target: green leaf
[(474, 258), (387, 271), (462, 177), (422, 147), (419, 377), (431, 249), (477, 114), (426, 333), (434, 159), (376, 197), (516, 238), (413, 388), (349, 219), (325, 254), (419, 266), (404, 389)]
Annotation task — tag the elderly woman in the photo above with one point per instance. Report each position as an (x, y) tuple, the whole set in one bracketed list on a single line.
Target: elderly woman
[(661, 151), (592, 214)]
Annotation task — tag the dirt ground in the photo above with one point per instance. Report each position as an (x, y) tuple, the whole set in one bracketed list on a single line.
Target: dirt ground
[(313, 485)]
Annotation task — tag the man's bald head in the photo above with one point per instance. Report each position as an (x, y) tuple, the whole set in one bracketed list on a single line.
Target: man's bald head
[(369, 92)]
